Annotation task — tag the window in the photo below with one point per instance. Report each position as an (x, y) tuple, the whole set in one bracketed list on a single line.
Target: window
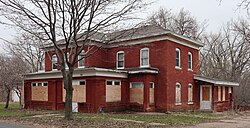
[(190, 94), (223, 93), (39, 84), (178, 94), (151, 85), (219, 93), (81, 59), (136, 85), (113, 82), (120, 60), (190, 61), (144, 57), (82, 82), (66, 65), (229, 89), (54, 62), (178, 58)]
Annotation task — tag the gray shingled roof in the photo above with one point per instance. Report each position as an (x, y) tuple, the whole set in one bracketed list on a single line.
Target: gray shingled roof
[(132, 34)]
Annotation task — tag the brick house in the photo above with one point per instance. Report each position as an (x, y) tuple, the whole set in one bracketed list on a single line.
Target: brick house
[(152, 70)]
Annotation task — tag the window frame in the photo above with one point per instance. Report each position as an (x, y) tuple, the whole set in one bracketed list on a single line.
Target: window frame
[(141, 50), (176, 96), (190, 61), (113, 82), (54, 56), (153, 85), (117, 60), (131, 84), (65, 61), (179, 58), (42, 84), (190, 93), (78, 57)]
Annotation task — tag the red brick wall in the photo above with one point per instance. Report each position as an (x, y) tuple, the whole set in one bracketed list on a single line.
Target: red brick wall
[(162, 56), (183, 76)]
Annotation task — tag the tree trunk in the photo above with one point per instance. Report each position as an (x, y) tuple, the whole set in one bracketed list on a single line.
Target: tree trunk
[(69, 94), (7, 99)]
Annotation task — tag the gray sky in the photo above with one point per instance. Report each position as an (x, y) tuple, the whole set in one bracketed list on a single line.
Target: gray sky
[(215, 13)]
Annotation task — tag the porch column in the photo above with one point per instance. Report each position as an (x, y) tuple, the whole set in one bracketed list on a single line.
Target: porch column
[(146, 94)]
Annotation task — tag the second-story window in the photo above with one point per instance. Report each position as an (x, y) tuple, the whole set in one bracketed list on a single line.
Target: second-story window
[(120, 60), (66, 65), (190, 61), (81, 60), (178, 58), (54, 62), (144, 57)]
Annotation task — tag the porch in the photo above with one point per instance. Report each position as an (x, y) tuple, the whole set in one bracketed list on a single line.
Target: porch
[(215, 95)]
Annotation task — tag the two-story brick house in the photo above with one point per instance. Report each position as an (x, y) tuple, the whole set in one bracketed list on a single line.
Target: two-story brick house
[(152, 70)]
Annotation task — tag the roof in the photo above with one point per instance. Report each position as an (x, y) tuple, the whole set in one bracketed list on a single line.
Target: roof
[(215, 81), (141, 32)]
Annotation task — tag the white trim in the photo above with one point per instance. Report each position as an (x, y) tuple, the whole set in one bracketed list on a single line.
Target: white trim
[(216, 82), (210, 95), (179, 58), (146, 49), (191, 56), (142, 71), (113, 82), (78, 73), (120, 52)]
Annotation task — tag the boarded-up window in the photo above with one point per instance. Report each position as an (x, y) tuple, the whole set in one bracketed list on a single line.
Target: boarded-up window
[(223, 93), (205, 93), (79, 92), (178, 93), (136, 93), (219, 93), (39, 91), (113, 91), (190, 93), (152, 86)]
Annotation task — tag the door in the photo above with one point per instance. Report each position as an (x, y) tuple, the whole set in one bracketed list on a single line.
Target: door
[(205, 97)]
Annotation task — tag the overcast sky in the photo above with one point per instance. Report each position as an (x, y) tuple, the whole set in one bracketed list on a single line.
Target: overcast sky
[(214, 12)]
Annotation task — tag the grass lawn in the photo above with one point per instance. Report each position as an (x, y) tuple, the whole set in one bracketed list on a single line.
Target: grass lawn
[(128, 120)]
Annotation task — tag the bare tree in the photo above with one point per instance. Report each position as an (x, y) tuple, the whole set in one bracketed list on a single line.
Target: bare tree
[(75, 21), (226, 54), (11, 75), (27, 47), (182, 23)]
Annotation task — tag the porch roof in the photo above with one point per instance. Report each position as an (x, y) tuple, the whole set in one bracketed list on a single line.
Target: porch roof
[(136, 70), (215, 81)]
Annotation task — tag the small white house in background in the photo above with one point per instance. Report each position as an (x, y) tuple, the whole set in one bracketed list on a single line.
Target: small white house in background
[(14, 96)]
